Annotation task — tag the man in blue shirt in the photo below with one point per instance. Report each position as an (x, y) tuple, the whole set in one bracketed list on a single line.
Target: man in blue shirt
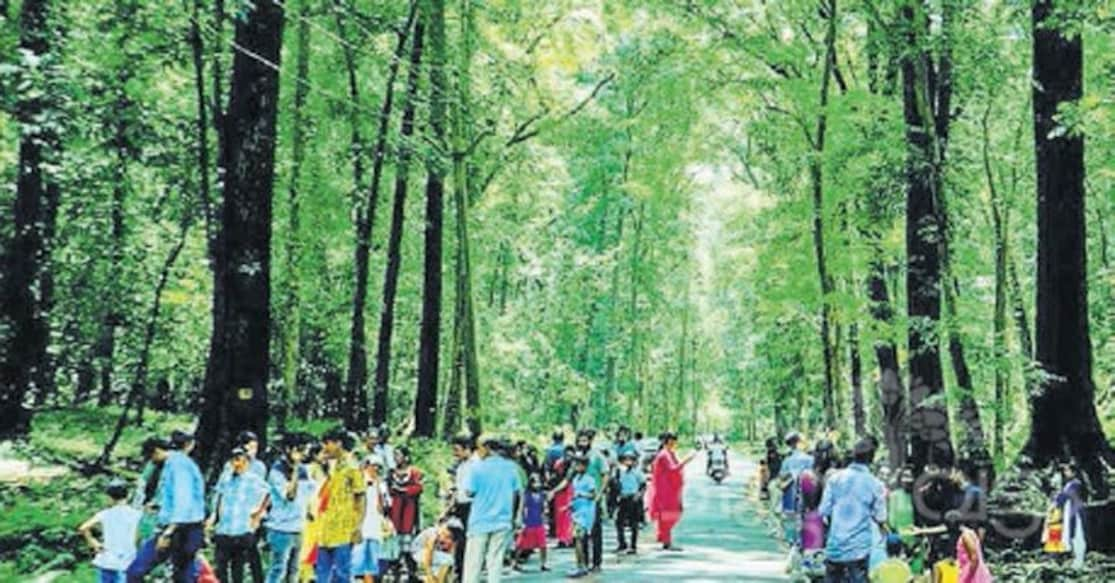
[(241, 502), (496, 491), (853, 500), (792, 467), (291, 490), (181, 500)]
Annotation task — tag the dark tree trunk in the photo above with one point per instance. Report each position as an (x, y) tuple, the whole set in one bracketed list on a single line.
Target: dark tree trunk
[(235, 393), (928, 421), (816, 165), (25, 352), (859, 413), (1064, 421), (425, 399), (356, 391), (395, 237)]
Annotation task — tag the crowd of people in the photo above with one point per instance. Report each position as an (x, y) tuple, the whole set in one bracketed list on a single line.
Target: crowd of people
[(331, 509), (847, 520)]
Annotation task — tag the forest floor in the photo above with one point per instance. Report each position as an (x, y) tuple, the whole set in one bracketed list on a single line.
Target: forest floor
[(721, 534)]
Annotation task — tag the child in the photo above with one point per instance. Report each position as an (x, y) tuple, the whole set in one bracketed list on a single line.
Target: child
[(119, 524), (366, 554), (894, 569), (434, 549), (584, 513), (631, 484), (533, 535)]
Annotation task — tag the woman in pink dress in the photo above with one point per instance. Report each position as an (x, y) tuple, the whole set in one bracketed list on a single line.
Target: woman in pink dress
[(969, 555), (668, 481)]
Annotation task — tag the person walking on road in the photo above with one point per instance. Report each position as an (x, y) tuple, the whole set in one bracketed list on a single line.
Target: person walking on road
[(669, 481)]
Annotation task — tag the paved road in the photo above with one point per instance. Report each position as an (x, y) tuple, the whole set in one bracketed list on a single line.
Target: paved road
[(722, 538)]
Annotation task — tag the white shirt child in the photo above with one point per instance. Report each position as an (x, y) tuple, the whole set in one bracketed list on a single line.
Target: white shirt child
[(119, 524)]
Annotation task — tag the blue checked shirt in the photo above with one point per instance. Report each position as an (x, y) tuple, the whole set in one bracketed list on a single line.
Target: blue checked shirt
[(181, 493), (237, 498), (852, 501), (288, 515)]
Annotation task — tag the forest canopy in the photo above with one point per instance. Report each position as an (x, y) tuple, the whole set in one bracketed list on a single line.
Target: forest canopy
[(882, 217)]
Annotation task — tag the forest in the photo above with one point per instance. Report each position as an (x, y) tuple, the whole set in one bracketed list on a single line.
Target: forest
[(871, 217)]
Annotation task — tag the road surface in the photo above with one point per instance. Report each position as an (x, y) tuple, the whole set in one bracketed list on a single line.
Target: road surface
[(721, 536)]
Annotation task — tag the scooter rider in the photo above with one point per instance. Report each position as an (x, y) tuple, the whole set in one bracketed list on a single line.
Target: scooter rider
[(717, 455)]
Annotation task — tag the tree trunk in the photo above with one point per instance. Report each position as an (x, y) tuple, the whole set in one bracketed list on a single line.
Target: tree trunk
[(115, 307), (859, 413), (425, 399), (395, 237), (929, 434), (292, 314), (356, 392), (1064, 420), (999, 310), (28, 335), (974, 444), (816, 165), (136, 394), (465, 372), (235, 392)]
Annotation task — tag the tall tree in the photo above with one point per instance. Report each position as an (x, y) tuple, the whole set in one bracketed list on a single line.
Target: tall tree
[(395, 236), (25, 344), (292, 310), (120, 116), (235, 392), (1063, 412), (465, 365), (816, 179), (425, 400), (926, 100), (356, 391)]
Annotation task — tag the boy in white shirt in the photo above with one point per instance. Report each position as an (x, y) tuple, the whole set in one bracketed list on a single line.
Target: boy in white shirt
[(119, 524), (366, 555)]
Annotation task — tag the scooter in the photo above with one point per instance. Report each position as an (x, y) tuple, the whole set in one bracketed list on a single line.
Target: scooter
[(718, 470)]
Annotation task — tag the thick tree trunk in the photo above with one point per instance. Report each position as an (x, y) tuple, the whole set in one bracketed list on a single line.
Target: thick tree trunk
[(235, 393), (425, 399), (292, 312), (1064, 420), (816, 164), (27, 336), (928, 421), (395, 237)]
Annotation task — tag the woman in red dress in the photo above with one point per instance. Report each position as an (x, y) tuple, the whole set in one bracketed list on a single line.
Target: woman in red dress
[(406, 489), (563, 501), (669, 481)]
